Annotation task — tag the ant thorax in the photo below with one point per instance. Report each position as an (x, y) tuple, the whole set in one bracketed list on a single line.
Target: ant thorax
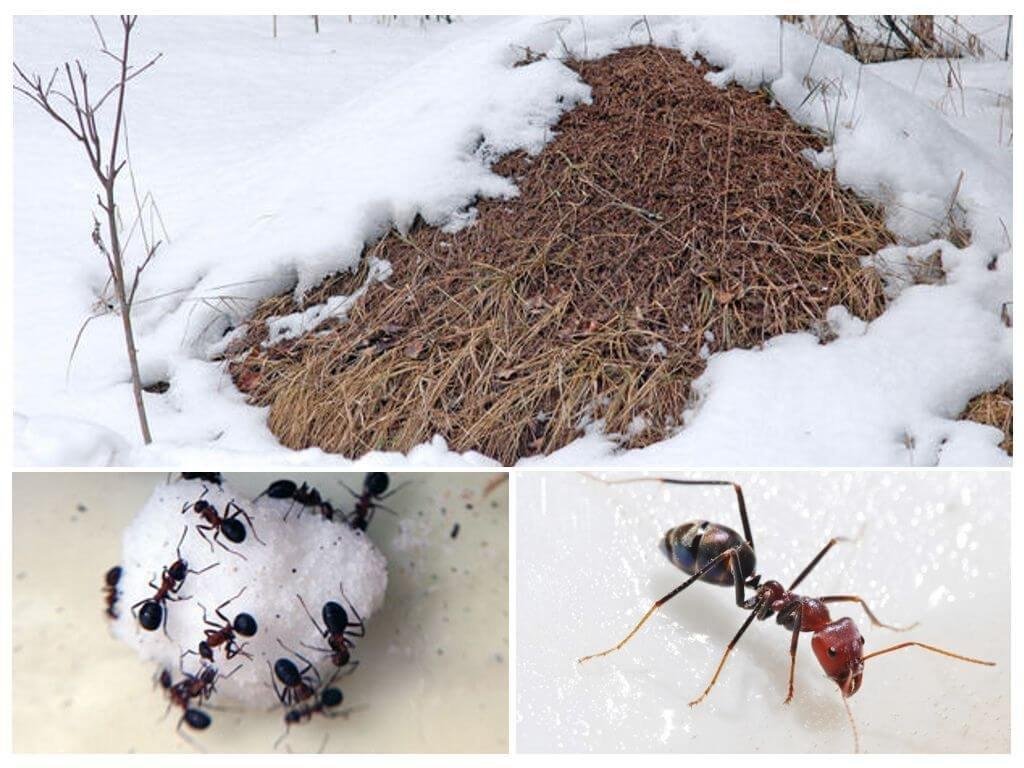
[(215, 597)]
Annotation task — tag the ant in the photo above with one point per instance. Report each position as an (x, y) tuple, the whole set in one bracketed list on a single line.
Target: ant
[(305, 494), (228, 524), (716, 554), (337, 629), (297, 685), (224, 634), (214, 478), (153, 613), (110, 590), (180, 694), (375, 486), (330, 698)]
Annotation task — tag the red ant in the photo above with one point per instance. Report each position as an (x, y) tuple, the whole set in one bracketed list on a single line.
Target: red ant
[(228, 524), (200, 686), (716, 554), (337, 629), (306, 495), (111, 579), (153, 613), (224, 634), (375, 486)]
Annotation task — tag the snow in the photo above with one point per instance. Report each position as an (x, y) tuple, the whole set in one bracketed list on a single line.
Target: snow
[(264, 579), (930, 548), (273, 161)]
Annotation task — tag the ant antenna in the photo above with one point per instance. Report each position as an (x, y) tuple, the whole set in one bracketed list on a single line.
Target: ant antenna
[(931, 648)]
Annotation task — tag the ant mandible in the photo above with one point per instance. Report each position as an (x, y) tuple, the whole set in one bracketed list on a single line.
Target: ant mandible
[(224, 633), (113, 576), (375, 490), (228, 524), (305, 494), (337, 629), (153, 612), (716, 554)]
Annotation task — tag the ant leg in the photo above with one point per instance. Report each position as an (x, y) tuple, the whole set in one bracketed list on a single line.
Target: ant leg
[(273, 682), (673, 481), (225, 547), (243, 513), (200, 529), (931, 648), (354, 494), (798, 617), (359, 619), (204, 570), (234, 649), (728, 554), (871, 616), (303, 603), (396, 489), (728, 650), (817, 559), (226, 603), (309, 664)]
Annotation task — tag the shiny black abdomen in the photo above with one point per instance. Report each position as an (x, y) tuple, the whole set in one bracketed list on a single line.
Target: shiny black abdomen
[(693, 545)]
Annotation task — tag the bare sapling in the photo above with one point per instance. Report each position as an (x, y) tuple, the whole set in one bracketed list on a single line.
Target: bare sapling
[(66, 97)]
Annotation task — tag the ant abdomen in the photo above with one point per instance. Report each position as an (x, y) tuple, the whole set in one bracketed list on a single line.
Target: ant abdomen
[(693, 545)]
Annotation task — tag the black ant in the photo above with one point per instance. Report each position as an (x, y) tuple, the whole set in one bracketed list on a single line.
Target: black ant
[(180, 694), (214, 478), (330, 698), (110, 589), (337, 629), (153, 613), (305, 494), (224, 633), (716, 554), (297, 685), (228, 524), (375, 490)]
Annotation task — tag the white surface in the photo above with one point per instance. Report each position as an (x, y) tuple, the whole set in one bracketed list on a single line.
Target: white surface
[(273, 161), (433, 675), (933, 548), (304, 555)]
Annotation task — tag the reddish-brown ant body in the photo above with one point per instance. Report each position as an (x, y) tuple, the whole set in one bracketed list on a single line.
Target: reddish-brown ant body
[(228, 524), (328, 699), (113, 576), (153, 612), (337, 629), (374, 491), (225, 633), (716, 554)]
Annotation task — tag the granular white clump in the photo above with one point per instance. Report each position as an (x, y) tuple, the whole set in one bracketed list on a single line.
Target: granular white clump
[(305, 555)]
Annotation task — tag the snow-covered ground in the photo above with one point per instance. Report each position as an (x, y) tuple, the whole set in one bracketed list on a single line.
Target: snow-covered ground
[(272, 161)]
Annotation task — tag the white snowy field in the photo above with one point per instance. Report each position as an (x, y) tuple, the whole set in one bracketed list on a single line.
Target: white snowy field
[(931, 548), (272, 161)]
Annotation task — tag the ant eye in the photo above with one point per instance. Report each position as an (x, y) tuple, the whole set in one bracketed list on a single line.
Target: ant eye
[(832, 651)]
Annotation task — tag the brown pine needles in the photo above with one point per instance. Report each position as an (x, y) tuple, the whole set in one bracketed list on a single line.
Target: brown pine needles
[(667, 220)]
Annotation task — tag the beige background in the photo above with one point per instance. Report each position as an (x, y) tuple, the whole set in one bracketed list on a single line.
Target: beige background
[(434, 664)]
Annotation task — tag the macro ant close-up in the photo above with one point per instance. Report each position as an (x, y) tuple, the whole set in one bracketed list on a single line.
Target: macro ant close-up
[(228, 523), (716, 554), (337, 629), (153, 610)]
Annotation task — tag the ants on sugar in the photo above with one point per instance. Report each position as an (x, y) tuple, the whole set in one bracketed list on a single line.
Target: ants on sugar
[(305, 495), (111, 579), (214, 478), (228, 524), (200, 686), (326, 704), (153, 612), (225, 633), (715, 554), (337, 629), (297, 685), (375, 490)]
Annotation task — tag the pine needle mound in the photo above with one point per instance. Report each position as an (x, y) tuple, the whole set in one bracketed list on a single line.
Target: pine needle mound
[(668, 220), (995, 409)]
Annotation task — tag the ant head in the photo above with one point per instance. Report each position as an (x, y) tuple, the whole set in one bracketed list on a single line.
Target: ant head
[(376, 483), (840, 650), (205, 651), (331, 697), (151, 615), (113, 576), (233, 529), (178, 570), (245, 625), (770, 592)]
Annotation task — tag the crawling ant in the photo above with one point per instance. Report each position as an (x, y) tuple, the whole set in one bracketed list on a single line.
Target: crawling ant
[(228, 524), (153, 612), (180, 694), (337, 629), (716, 554), (305, 495), (111, 579), (225, 633), (297, 685), (375, 490), (330, 698), (214, 478)]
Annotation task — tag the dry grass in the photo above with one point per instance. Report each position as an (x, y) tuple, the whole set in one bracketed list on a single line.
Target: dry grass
[(667, 220), (994, 408)]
